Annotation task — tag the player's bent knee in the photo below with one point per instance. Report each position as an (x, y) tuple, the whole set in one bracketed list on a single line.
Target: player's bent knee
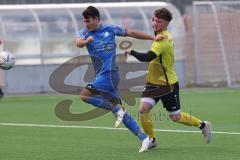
[(143, 110), (83, 97), (146, 105), (175, 117), (84, 94)]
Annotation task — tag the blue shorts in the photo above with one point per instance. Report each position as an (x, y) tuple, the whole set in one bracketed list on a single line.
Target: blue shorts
[(106, 84)]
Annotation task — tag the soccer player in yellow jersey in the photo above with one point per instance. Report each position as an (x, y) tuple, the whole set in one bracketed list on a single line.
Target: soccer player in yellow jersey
[(162, 83)]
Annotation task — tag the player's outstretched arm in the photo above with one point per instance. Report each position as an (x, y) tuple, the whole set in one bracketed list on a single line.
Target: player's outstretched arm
[(143, 57), (139, 35)]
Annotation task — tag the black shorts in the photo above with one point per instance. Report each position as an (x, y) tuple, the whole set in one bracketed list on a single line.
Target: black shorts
[(169, 95)]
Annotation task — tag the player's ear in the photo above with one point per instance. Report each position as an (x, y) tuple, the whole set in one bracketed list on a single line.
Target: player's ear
[(152, 18)]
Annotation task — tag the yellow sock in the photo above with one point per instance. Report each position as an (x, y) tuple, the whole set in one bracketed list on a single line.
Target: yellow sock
[(189, 120), (147, 124)]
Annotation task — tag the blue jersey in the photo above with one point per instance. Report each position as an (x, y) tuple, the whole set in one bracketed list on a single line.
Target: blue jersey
[(103, 48)]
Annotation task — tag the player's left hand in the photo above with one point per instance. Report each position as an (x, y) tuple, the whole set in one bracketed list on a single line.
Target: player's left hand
[(127, 53), (89, 39)]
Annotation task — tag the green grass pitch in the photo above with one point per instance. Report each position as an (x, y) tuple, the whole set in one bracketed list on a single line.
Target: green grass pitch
[(220, 106)]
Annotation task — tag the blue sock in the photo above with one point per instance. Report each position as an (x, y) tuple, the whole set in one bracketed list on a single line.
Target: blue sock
[(132, 125), (100, 102)]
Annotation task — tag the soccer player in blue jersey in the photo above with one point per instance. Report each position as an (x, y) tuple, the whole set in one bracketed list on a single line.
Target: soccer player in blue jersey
[(102, 92)]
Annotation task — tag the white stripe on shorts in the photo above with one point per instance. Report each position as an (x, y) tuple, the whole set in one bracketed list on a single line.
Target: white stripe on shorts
[(148, 100), (174, 112)]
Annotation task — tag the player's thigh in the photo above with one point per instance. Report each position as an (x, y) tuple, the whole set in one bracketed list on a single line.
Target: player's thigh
[(106, 86), (107, 82), (171, 101)]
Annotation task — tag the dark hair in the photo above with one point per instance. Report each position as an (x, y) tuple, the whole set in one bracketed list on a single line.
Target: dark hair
[(91, 12), (164, 14)]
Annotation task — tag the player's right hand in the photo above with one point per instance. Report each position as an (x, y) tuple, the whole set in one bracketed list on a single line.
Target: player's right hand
[(89, 39)]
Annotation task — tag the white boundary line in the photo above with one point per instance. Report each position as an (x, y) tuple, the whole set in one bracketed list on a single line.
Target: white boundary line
[(105, 128)]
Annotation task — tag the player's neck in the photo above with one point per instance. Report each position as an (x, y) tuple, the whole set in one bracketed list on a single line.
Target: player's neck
[(160, 31), (97, 27)]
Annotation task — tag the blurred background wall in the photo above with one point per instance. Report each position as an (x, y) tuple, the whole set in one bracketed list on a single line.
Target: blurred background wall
[(180, 4)]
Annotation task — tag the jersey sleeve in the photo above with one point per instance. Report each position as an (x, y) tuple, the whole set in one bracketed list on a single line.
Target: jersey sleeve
[(81, 34), (119, 31), (157, 47)]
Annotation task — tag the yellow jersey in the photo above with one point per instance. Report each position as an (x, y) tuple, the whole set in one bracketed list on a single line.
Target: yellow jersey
[(165, 49)]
